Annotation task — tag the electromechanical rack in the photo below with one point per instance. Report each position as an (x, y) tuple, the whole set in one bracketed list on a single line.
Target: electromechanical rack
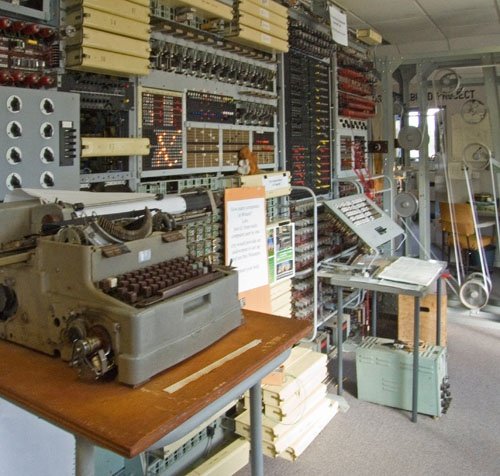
[(307, 99), (355, 85)]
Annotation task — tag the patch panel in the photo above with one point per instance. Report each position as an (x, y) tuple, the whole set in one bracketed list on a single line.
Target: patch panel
[(310, 40), (308, 122)]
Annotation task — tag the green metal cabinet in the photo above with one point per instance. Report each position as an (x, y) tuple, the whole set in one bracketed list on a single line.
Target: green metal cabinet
[(384, 374)]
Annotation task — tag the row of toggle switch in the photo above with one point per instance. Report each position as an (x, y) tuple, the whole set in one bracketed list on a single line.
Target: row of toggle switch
[(205, 65)]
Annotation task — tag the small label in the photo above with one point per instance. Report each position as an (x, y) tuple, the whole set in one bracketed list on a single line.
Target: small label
[(265, 38), (275, 182), (265, 25), (264, 13), (144, 255)]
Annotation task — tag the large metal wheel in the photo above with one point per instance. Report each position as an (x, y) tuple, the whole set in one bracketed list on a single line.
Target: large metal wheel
[(474, 294), (483, 278)]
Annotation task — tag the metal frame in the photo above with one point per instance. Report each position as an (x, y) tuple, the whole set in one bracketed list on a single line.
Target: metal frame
[(388, 60), (85, 464)]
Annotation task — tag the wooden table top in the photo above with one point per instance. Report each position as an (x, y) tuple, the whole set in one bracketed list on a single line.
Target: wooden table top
[(129, 420)]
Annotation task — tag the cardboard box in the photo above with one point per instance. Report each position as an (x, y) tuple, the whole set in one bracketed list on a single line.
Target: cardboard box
[(428, 308)]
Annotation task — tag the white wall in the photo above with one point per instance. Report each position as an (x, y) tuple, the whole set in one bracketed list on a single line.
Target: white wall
[(29, 446)]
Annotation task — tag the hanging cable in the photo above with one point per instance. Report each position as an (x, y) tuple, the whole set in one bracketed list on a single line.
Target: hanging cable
[(449, 187), (481, 252)]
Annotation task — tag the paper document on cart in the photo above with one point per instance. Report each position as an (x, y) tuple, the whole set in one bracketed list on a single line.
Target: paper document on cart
[(412, 271)]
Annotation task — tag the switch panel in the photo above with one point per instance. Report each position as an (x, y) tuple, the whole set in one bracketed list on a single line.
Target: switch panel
[(39, 139)]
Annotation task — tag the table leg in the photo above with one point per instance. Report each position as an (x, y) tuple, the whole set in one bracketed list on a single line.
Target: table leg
[(135, 466), (340, 312), (416, 340), (438, 312), (84, 457), (256, 456), (374, 313)]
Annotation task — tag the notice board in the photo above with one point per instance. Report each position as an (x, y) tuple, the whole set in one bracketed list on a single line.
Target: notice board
[(245, 244)]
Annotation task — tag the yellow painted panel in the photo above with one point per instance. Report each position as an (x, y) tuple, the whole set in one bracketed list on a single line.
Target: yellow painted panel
[(106, 62), (102, 21), (268, 5), (107, 41), (264, 26), (207, 8), (114, 146), (121, 8), (262, 41), (262, 13)]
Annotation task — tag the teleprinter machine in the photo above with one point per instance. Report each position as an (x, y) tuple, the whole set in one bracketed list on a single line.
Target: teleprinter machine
[(114, 293)]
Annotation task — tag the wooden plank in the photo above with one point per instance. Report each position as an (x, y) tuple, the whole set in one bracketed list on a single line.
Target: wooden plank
[(129, 420), (428, 310)]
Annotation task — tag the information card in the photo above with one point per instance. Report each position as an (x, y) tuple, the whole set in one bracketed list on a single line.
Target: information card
[(246, 241)]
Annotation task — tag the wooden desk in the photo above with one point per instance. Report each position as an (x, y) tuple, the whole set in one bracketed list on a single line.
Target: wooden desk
[(128, 420)]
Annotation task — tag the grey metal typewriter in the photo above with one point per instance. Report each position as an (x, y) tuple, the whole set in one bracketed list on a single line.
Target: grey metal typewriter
[(108, 297)]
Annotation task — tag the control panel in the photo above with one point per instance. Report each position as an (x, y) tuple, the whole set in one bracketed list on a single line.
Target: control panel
[(40, 139), (373, 226)]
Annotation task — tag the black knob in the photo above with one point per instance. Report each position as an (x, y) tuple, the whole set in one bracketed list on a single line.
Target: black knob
[(48, 180), (48, 107), (15, 156), (15, 130), (48, 130), (15, 182), (48, 155), (15, 104)]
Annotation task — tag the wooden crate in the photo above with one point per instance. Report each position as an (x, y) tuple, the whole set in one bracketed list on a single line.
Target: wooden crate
[(428, 310)]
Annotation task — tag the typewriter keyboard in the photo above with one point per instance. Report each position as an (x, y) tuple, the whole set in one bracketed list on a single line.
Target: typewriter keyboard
[(146, 286)]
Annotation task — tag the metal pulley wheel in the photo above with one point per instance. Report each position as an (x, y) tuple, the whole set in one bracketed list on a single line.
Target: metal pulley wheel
[(473, 111), (406, 204), (474, 294), (410, 137), (483, 278), (447, 81), (398, 108), (476, 156)]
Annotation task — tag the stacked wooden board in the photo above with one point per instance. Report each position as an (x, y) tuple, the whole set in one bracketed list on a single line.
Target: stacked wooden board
[(261, 24), (296, 407), (108, 37)]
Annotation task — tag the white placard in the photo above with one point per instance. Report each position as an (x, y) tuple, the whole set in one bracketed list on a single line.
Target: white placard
[(246, 241), (275, 182), (338, 24)]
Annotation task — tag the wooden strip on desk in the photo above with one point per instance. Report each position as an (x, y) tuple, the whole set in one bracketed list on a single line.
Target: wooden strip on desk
[(178, 385), (129, 420)]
